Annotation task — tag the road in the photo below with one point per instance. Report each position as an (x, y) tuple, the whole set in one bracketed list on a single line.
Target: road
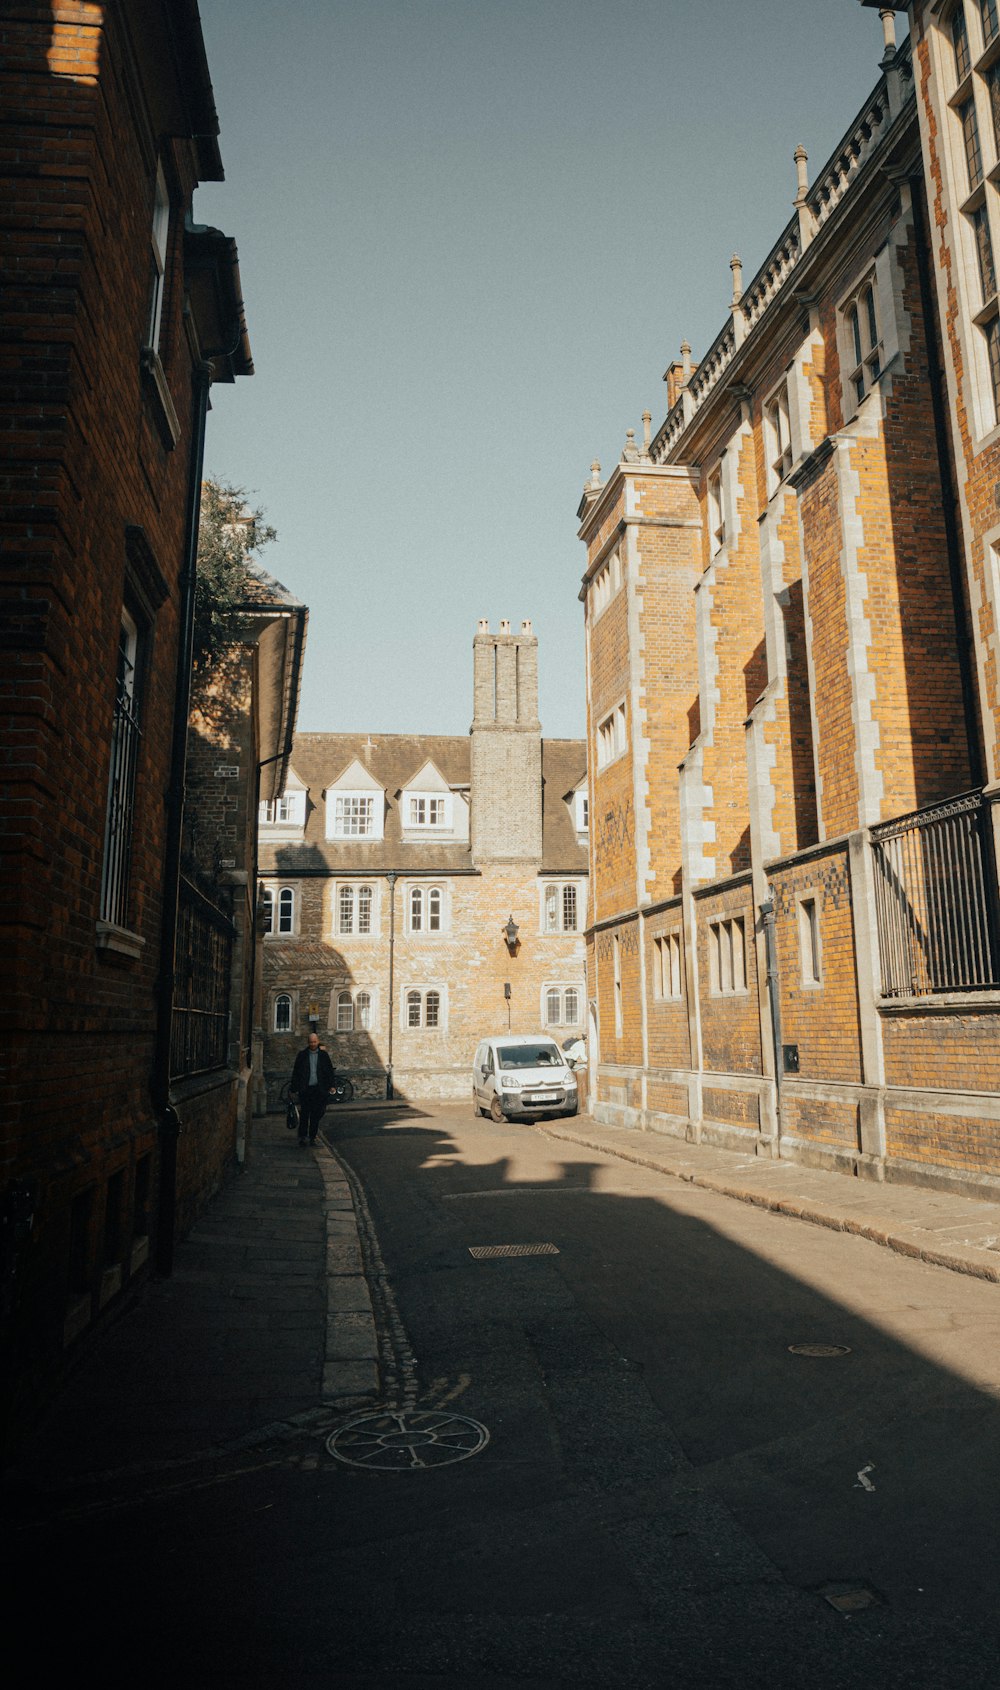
[(670, 1495)]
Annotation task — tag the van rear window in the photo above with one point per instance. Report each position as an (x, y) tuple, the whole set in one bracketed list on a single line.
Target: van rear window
[(528, 1056)]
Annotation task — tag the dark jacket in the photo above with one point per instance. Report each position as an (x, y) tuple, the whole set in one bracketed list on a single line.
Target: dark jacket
[(300, 1073)]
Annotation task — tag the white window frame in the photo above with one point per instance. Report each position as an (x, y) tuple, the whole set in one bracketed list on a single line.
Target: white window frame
[(860, 375), (562, 990), (552, 902), (339, 800), (287, 811), (280, 998), (345, 1011), (349, 892), (420, 896), (419, 806), (581, 811), (421, 991), (272, 893)]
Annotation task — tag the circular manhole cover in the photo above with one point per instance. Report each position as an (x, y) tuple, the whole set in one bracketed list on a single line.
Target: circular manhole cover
[(822, 1350), (407, 1441)]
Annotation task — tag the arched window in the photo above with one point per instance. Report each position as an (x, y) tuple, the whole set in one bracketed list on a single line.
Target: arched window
[(267, 910), (432, 1009), (364, 909), (553, 1005), (345, 1012), (551, 909), (286, 910), (413, 1009), (363, 1006), (569, 909), (416, 909), (283, 1013), (345, 922), (434, 909), (571, 1007)]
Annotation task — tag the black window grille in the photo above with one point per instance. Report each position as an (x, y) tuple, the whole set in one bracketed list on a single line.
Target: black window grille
[(199, 1034), (935, 908), (125, 739)]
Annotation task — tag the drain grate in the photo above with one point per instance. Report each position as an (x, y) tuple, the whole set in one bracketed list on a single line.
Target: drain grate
[(488, 1252), (822, 1350), (410, 1441), (848, 1598)]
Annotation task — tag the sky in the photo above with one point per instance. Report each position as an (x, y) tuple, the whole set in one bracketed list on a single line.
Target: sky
[(472, 236)]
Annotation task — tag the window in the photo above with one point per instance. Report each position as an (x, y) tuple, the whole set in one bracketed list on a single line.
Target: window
[(560, 907), (778, 439), (424, 1007), (363, 1010), (125, 740), (283, 1013), (970, 140), (727, 956), (286, 910), (617, 959), (561, 1006), (809, 954), (960, 42), (667, 966), (984, 254), (199, 1028), (266, 910), (426, 909), (428, 812), (863, 341), (354, 909), (353, 816), (607, 583), (716, 510), (990, 22), (581, 809), (288, 811), (345, 1012), (158, 261), (611, 737)]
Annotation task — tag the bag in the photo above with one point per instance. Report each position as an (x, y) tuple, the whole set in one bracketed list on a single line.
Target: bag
[(292, 1116)]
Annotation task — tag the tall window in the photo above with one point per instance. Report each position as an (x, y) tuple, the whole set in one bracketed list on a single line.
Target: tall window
[(970, 139), (778, 439), (354, 909), (426, 905), (809, 955), (158, 257), (125, 737), (864, 340), (561, 907), (286, 910), (727, 956), (611, 736), (716, 516), (345, 1012), (617, 958), (267, 909), (363, 1008), (990, 21), (960, 42), (667, 966), (283, 1013)]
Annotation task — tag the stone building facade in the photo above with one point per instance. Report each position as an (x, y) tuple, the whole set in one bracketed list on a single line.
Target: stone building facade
[(119, 312), (390, 871), (792, 596)]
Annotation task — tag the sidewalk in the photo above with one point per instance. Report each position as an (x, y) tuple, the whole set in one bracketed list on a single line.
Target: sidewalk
[(264, 1329), (960, 1233)]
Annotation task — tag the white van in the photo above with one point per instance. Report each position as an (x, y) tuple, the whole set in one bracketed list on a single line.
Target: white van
[(519, 1074)]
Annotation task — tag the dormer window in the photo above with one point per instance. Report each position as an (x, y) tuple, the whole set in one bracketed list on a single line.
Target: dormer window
[(581, 811), (427, 811), (287, 811), (353, 816)]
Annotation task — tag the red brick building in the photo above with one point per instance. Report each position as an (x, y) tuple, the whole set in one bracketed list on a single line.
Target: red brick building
[(118, 314), (791, 600)]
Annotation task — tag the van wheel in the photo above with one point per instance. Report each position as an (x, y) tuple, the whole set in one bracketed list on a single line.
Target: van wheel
[(496, 1113)]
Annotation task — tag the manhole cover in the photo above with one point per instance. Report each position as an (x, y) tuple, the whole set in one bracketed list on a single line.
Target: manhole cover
[(848, 1598), (487, 1252), (405, 1442), (819, 1349)]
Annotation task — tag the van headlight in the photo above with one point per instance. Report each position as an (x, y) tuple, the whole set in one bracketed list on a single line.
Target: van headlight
[(510, 1082)]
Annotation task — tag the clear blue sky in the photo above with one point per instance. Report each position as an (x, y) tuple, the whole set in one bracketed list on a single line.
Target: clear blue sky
[(472, 235)]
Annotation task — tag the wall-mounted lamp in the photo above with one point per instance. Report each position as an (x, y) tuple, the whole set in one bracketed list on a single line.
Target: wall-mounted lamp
[(510, 933)]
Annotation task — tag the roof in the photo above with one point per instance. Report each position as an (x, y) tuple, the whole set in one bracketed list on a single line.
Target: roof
[(393, 760)]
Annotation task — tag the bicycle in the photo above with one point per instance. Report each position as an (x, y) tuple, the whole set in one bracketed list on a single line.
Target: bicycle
[(342, 1092)]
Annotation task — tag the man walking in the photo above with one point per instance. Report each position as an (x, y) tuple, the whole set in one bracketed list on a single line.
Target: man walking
[(312, 1082)]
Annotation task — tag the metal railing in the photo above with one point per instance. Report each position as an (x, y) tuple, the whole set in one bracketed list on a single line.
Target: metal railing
[(934, 900), (199, 1032)]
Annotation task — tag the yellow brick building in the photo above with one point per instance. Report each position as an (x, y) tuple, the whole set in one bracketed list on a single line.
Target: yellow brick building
[(791, 596), (391, 871)]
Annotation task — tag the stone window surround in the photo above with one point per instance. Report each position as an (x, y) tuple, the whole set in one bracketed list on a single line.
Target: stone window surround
[(355, 796), (423, 987), (293, 1009), (272, 892), (560, 883), (563, 987), (808, 904), (355, 886), (425, 888)]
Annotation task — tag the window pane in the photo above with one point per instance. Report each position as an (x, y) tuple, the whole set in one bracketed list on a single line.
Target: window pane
[(569, 909), (855, 332), (552, 1007), (989, 15), (993, 344), (286, 909), (346, 917), (416, 909), (970, 135), (282, 1014), (267, 910), (873, 334), (433, 1006), (551, 909), (434, 909), (413, 1009), (960, 41), (364, 909), (364, 1008), (572, 1010), (993, 88), (984, 253), (345, 1012)]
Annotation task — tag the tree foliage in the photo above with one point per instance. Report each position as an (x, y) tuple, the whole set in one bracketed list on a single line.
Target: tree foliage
[(231, 535)]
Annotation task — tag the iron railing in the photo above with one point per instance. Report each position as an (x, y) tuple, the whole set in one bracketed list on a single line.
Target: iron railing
[(934, 900), (199, 1032), (125, 740)]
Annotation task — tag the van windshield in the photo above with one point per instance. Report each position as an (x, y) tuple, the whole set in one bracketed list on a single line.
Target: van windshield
[(529, 1056)]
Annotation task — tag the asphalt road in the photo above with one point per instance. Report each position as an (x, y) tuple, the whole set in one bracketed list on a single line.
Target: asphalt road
[(668, 1496)]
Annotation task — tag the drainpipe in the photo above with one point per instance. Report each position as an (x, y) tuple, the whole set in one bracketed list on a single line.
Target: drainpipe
[(773, 997), (391, 878), (168, 1121)]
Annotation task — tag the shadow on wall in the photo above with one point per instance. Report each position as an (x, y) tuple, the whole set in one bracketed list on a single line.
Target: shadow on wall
[(312, 985)]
